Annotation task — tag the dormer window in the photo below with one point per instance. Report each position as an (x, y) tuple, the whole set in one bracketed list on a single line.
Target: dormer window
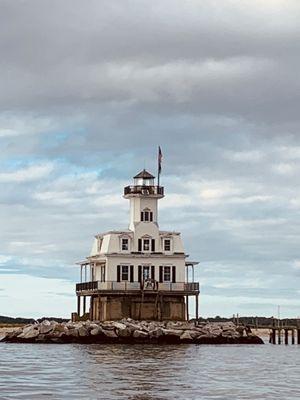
[(167, 244), (146, 215), (125, 244), (146, 244)]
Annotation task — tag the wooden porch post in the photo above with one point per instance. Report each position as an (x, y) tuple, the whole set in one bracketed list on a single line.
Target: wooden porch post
[(197, 306)]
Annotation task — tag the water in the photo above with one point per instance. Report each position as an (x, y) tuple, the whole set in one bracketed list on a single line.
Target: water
[(149, 372)]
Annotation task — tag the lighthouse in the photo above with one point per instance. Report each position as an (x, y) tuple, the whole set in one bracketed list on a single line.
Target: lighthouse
[(141, 272)]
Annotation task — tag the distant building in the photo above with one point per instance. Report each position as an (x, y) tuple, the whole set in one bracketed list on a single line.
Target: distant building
[(141, 272)]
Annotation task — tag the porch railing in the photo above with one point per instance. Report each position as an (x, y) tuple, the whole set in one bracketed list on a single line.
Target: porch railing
[(131, 286)]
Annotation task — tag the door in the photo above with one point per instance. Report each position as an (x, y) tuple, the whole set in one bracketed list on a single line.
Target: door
[(146, 272)]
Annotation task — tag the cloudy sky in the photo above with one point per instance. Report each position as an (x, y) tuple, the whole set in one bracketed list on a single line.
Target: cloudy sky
[(88, 91)]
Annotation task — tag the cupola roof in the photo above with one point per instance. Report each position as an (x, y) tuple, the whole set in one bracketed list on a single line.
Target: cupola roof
[(144, 174)]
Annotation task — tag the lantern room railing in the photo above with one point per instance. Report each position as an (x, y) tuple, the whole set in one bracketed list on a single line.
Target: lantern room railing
[(147, 190)]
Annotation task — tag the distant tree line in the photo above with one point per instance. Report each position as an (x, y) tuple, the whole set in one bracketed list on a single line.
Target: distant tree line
[(9, 320)]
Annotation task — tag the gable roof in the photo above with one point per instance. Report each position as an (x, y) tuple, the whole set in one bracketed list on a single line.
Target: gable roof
[(144, 174)]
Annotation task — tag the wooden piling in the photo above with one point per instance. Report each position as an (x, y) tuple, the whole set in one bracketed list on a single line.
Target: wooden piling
[(273, 337), (286, 336), (293, 335), (298, 336), (279, 336)]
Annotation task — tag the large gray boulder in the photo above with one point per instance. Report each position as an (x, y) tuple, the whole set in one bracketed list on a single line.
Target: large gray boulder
[(30, 332), (110, 334), (140, 334), (3, 335), (186, 336), (45, 327), (97, 330)]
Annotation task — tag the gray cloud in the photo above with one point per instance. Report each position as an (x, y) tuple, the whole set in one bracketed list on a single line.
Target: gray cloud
[(89, 90)]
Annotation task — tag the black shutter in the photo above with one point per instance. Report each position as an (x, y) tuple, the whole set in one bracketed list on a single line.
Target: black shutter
[(174, 274), (152, 272), (160, 273), (118, 273), (140, 273), (153, 245), (140, 245), (142, 216), (131, 273), (151, 216)]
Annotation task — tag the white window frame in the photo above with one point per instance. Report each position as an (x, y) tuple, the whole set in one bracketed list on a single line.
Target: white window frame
[(143, 216), (170, 273), (143, 244), (144, 268), (128, 238), (102, 273), (124, 272), (122, 244), (164, 241)]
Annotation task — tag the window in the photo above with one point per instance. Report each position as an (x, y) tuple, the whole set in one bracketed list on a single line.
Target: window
[(125, 243), (167, 244), (167, 274), (124, 273), (146, 272), (147, 216), (102, 273), (146, 244)]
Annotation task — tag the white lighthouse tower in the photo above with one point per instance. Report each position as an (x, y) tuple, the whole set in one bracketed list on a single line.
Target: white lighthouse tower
[(141, 272)]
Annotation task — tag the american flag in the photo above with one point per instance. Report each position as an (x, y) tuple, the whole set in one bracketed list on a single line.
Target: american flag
[(160, 156)]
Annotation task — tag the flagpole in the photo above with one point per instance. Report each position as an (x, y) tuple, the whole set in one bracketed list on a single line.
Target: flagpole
[(158, 166)]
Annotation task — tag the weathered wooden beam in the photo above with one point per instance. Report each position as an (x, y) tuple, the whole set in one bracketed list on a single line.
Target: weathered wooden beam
[(286, 336), (273, 336), (78, 306), (197, 306)]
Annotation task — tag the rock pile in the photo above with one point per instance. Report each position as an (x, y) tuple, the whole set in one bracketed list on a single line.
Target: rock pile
[(130, 331)]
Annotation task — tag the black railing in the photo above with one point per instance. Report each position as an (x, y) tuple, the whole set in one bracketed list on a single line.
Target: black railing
[(86, 286), (129, 286), (191, 286), (147, 190)]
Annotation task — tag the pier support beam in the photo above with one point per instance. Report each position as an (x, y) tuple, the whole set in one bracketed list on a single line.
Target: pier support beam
[(187, 308), (273, 336), (92, 309), (286, 336), (78, 306), (197, 306), (298, 336), (84, 305), (279, 336), (293, 336)]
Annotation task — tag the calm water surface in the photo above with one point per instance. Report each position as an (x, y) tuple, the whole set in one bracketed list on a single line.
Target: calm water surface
[(148, 372)]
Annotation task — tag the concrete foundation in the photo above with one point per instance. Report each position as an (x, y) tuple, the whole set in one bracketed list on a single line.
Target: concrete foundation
[(148, 307)]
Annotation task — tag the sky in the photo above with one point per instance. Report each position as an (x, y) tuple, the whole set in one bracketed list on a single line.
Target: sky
[(88, 92)]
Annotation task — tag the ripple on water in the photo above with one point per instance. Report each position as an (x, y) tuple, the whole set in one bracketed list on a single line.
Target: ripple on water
[(148, 372)]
